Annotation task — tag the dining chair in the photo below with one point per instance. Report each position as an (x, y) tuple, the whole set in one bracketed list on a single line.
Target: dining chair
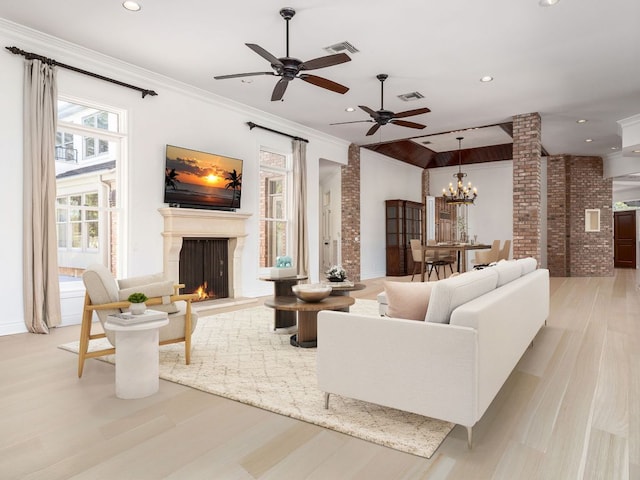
[(429, 258), (485, 257), (505, 251)]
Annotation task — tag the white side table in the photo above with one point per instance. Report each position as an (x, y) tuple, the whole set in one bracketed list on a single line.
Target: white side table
[(137, 368)]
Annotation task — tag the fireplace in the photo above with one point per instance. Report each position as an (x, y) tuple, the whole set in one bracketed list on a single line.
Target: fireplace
[(185, 224), (204, 267)]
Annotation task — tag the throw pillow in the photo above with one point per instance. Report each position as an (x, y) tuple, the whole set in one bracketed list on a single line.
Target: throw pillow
[(408, 300)]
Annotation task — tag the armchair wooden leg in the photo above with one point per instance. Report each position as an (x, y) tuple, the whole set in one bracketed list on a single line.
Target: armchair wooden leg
[(85, 333)]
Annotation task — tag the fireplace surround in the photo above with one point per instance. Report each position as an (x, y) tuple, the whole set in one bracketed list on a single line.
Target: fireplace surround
[(186, 222)]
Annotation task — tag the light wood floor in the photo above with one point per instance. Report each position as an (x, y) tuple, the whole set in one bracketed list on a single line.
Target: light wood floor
[(570, 410)]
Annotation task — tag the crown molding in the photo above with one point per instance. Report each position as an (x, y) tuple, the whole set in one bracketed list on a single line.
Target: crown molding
[(66, 52)]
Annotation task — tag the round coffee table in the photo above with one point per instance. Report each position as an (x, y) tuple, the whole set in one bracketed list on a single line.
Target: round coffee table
[(307, 336), (282, 320)]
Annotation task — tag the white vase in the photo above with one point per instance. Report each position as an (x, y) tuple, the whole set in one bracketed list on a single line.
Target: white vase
[(137, 308)]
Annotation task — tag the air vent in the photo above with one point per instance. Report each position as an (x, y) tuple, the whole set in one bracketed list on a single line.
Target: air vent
[(341, 47), (409, 97), (427, 142)]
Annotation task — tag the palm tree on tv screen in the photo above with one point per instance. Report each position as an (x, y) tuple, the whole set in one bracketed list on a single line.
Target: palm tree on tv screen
[(171, 178), (234, 181)]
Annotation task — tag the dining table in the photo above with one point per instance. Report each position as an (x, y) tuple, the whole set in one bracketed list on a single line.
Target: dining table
[(461, 253)]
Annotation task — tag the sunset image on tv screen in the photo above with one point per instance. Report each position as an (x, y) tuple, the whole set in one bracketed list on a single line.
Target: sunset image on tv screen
[(194, 178)]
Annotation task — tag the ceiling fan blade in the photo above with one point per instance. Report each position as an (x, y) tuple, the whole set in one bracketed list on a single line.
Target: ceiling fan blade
[(272, 59), (324, 83), (411, 113), (373, 129), (280, 88), (326, 61), (238, 75), (371, 112), (355, 121), (405, 123)]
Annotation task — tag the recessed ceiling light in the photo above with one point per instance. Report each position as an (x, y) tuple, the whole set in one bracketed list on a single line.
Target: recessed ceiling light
[(636, 151), (614, 148), (131, 6), (547, 3), (349, 109), (582, 120), (247, 80), (486, 78), (589, 140)]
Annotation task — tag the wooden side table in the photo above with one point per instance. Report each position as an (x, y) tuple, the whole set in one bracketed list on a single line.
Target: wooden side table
[(342, 289), (282, 288), (137, 366), (307, 336)]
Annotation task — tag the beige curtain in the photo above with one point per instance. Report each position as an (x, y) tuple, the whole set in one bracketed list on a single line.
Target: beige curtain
[(40, 282), (300, 240)]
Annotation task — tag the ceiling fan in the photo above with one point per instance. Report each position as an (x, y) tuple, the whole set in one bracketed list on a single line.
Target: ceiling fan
[(382, 117), (288, 68)]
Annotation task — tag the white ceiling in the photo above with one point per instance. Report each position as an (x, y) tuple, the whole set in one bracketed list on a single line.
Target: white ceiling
[(577, 59)]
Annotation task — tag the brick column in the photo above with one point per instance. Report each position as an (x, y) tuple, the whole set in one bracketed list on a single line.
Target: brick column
[(527, 151), (558, 254), (590, 253), (351, 214)]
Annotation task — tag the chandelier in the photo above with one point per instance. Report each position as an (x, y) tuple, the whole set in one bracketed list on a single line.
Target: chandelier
[(460, 194)]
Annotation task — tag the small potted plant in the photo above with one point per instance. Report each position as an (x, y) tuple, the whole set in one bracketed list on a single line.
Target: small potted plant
[(336, 274), (137, 300)]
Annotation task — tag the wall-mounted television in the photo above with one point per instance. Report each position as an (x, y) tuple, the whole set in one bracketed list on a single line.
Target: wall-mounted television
[(195, 179)]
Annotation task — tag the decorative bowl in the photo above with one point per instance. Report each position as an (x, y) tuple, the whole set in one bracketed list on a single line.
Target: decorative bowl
[(311, 292)]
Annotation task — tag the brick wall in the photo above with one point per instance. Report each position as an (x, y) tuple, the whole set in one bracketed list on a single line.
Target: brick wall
[(527, 149), (591, 253), (558, 254), (350, 174), (573, 185)]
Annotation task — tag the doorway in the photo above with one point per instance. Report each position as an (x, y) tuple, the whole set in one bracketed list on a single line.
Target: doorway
[(624, 239)]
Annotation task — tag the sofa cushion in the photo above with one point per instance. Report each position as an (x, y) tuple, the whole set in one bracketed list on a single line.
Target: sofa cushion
[(124, 283), (449, 294), (527, 265), (408, 300), (508, 271), (162, 289)]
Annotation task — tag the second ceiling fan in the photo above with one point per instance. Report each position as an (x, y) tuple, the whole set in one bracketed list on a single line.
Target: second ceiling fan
[(382, 117), (288, 68)]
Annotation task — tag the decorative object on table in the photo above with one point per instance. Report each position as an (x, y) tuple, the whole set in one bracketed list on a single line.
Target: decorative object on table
[(137, 300), (336, 274), (311, 292), (284, 267)]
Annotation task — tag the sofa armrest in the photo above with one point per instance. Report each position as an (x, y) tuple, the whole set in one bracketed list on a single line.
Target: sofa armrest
[(428, 369)]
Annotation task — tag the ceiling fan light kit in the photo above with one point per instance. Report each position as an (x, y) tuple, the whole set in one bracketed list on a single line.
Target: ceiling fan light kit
[(289, 68)]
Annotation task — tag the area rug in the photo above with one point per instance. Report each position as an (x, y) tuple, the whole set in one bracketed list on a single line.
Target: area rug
[(238, 356)]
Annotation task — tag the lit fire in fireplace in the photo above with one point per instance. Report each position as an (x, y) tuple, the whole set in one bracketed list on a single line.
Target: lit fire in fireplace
[(203, 293)]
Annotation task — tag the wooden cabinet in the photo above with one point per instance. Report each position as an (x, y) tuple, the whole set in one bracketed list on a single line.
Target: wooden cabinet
[(403, 222)]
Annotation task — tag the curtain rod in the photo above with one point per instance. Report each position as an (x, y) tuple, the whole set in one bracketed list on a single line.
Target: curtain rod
[(50, 61), (254, 125)]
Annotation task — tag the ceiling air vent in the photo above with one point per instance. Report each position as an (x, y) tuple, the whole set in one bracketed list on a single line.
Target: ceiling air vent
[(341, 47), (409, 97)]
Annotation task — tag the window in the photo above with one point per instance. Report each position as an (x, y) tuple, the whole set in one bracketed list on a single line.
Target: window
[(96, 146), (88, 200), (275, 179), (77, 220)]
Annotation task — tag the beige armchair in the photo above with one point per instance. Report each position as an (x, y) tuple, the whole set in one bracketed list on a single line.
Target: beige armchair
[(106, 296), (485, 257)]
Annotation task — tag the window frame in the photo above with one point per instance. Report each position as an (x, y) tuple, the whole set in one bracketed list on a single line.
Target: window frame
[(287, 173)]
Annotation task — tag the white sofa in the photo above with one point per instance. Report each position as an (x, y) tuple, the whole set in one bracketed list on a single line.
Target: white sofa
[(449, 367)]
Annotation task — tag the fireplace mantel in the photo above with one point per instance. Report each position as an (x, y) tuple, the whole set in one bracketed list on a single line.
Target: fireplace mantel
[(187, 222)]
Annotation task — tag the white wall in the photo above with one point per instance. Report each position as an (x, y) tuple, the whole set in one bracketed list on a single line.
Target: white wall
[(381, 178), (179, 115)]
